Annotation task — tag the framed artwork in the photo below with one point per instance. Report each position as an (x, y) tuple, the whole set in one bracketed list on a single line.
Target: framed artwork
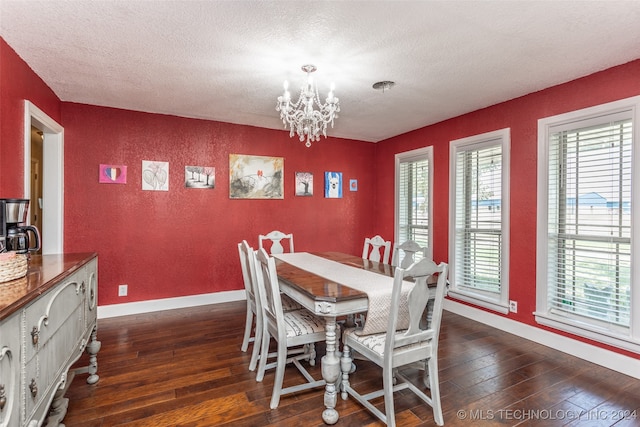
[(199, 177), (256, 177), (155, 175), (333, 185), (304, 184), (113, 174), (353, 185)]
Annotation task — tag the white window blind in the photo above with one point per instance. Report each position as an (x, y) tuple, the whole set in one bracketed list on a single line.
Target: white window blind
[(413, 201), (478, 226), (413, 197), (586, 265), (479, 220), (589, 221)]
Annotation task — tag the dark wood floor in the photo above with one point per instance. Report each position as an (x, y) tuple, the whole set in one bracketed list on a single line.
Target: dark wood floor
[(185, 368)]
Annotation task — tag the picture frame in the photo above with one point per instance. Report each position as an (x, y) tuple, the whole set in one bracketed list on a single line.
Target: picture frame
[(333, 185), (155, 175), (304, 184), (202, 177), (112, 174), (256, 177)]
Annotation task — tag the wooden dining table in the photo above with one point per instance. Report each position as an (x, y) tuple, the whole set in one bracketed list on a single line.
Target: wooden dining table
[(330, 299)]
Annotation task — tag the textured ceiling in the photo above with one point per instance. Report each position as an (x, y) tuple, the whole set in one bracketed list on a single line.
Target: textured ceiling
[(226, 60)]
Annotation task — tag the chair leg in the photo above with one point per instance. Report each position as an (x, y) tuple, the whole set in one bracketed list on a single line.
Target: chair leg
[(435, 390), (257, 344), (277, 381), (388, 380), (247, 329), (264, 351), (310, 349), (345, 366)]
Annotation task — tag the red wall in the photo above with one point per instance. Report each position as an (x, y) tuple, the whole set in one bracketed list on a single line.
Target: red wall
[(183, 242), (521, 115), (17, 84)]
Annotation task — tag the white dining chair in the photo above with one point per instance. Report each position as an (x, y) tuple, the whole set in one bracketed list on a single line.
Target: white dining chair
[(408, 250), (373, 247), (247, 262), (397, 348), (254, 309), (293, 329), (275, 238)]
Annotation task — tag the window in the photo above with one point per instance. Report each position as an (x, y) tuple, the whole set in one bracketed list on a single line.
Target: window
[(586, 175), (414, 176), (479, 220)]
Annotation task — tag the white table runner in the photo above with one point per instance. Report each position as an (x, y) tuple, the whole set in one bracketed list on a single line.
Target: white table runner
[(377, 286)]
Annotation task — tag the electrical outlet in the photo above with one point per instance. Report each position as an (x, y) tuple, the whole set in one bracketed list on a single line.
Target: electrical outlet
[(513, 306), (122, 290)]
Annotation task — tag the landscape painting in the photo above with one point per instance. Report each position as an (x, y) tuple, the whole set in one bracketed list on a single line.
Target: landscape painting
[(199, 177), (256, 177)]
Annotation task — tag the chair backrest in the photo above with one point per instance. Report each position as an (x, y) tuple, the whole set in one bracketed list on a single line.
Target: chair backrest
[(409, 249), (269, 290), (417, 301), (247, 262), (275, 237), (372, 248)]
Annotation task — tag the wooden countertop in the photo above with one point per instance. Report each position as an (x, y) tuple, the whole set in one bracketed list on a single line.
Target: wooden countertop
[(44, 271)]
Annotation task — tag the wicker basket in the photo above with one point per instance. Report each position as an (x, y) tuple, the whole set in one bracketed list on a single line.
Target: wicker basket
[(13, 266)]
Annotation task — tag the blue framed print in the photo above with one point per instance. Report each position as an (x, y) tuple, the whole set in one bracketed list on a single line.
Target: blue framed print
[(333, 185)]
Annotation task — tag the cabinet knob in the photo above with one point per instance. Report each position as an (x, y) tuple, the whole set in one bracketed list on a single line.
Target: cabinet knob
[(3, 397), (35, 335), (33, 387)]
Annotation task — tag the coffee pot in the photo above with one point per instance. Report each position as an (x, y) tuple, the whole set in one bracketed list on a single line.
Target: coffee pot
[(18, 239), (13, 229)]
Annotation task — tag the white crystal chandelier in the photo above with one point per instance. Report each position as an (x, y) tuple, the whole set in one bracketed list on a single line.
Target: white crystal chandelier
[(301, 116)]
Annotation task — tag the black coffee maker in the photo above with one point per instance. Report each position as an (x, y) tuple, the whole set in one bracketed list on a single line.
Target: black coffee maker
[(14, 233)]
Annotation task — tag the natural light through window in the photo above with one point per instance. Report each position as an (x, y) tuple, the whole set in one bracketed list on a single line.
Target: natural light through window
[(479, 219), (414, 176), (585, 254)]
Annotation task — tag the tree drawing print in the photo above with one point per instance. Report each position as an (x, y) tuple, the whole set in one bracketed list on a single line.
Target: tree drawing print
[(304, 184), (199, 177)]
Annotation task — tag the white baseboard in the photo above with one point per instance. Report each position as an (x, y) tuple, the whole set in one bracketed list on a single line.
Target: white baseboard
[(600, 356), (125, 309), (608, 359)]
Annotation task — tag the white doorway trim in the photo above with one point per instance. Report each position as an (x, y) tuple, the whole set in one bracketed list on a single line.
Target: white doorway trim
[(52, 176)]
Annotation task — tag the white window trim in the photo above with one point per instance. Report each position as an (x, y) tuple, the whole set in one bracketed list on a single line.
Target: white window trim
[(500, 304), (542, 314), (408, 156)]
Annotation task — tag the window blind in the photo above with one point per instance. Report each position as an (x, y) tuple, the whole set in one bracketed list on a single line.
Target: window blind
[(413, 201), (478, 224), (589, 220)]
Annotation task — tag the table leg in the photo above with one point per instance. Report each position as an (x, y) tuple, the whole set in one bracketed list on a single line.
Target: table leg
[(330, 372)]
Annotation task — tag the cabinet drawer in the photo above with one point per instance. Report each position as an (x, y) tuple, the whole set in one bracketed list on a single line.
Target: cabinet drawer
[(62, 305), (10, 371)]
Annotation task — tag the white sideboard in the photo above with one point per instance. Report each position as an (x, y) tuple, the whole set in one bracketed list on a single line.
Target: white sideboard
[(47, 320)]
